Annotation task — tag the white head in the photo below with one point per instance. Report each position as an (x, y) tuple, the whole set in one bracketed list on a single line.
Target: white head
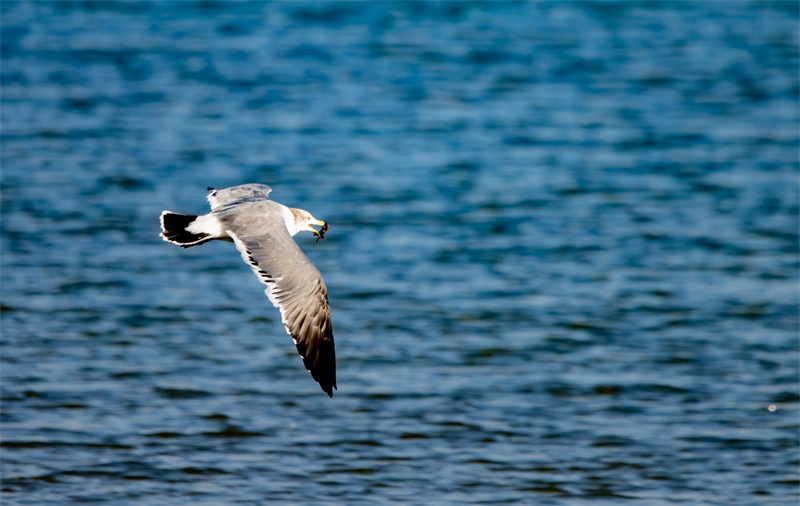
[(303, 221)]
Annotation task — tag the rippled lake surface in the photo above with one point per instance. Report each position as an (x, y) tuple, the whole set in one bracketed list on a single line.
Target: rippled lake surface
[(562, 263)]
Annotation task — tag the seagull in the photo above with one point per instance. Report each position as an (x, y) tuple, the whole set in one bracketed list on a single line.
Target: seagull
[(262, 231)]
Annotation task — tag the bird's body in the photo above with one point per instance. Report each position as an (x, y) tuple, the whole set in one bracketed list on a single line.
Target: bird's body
[(262, 231)]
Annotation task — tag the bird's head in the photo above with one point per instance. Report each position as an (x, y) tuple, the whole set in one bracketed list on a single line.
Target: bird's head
[(304, 221)]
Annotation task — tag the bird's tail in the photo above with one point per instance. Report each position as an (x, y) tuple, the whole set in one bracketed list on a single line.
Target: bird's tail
[(173, 229)]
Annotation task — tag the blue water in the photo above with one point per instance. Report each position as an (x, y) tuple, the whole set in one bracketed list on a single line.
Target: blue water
[(562, 262)]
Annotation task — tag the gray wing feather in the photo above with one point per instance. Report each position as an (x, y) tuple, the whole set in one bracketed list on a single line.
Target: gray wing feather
[(235, 194), (294, 285)]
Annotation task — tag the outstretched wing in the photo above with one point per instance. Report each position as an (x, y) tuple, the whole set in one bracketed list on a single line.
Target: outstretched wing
[(242, 193), (294, 285)]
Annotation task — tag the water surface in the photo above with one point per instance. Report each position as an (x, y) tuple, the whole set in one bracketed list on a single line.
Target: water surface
[(562, 259)]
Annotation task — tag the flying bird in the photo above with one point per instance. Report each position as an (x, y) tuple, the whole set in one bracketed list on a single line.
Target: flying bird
[(262, 231)]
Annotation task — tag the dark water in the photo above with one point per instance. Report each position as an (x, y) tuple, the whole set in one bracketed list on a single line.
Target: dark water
[(563, 255)]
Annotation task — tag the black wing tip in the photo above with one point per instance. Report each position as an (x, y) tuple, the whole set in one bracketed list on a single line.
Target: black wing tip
[(320, 362), (328, 388), (327, 384)]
